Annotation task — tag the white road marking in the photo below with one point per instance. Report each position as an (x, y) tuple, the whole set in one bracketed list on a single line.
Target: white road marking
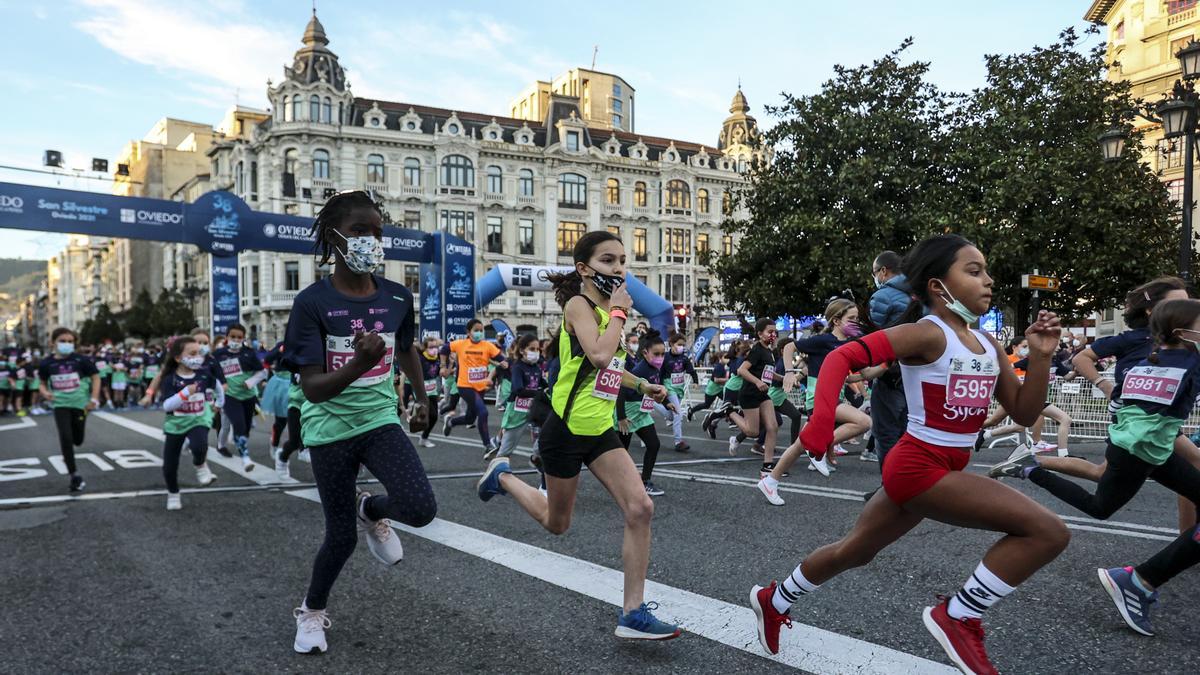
[(23, 423), (809, 648)]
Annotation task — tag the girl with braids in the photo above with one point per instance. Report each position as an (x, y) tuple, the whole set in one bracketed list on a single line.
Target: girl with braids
[(950, 375), (186, 387), (343, 335), (633, 409), (1157, 395), (579, 428)]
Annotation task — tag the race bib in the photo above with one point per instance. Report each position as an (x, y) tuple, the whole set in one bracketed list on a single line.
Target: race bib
[(608, 380), (522, 405), (768, 375), (430, 387), (233, 367), (64, 382), (677, 379), (647, 404), (1153, 384), (339, 349), (193, 406), (477, 374), (971, 381)]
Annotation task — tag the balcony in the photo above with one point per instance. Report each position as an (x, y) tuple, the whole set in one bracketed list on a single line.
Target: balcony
[(501, 304), (1186, 16), (522, 200), (613, 208), (644, 212), (278, 300), (493, 196), (380, 189), (533, 304)]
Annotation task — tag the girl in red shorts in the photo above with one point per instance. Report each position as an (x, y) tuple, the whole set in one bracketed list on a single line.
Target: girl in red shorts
[(950, 374)]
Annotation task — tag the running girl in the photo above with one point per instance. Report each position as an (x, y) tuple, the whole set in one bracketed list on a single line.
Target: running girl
[(950, 374), (243, 371), (275, 403), (712, 389), (431, 368), (758, 371), (676, 369), (473, 355), (527, 383), (579, 429), (633, 409), (74, 385), (186, 388)]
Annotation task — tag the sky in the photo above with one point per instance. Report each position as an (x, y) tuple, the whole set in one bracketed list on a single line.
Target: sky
[(86, 76)]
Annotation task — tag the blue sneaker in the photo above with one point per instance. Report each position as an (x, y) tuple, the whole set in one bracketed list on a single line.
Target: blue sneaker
[(489, 484), (1132, 602), (640, 624)]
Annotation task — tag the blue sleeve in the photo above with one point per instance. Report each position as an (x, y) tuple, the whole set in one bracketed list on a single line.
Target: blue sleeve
[(303, 336), (518, 380), (718, 371), (878, 309), (1111, 345), (814, 345), (44, 370), (168, 386), (552, 371), (87, 368), (255, 364), (691, 369), (407, 333)]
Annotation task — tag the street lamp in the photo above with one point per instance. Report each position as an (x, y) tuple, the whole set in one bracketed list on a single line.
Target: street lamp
[(1177, 113)]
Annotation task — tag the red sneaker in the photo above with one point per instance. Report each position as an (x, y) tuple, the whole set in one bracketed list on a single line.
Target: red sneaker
[(769, 620), (961, 638)]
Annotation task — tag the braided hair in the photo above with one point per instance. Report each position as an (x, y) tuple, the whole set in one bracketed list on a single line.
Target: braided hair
[(336, 209)]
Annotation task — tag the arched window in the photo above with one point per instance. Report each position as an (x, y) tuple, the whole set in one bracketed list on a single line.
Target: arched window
[(572, 190), (613, 191), (239, 179), (412, 172), (679, 195), (495, 177), (639, 194), (458, 171), (296, 108), (320, 161), (376, 172), (287, 109), (525, 181), (291, 157), (702, 200), (327, 111), (314, 108), (727, 203)]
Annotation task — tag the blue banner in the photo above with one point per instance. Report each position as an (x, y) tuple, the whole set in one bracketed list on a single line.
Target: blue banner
[(458, 274), (26, 207), (432, 314), (224, 293), (504, 335), (703, 340)]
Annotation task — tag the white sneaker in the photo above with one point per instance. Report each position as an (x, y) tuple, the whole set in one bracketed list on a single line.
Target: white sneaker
[(426, 443), (821, 466), (304, 456), (838, 450), (204, 475), (281, 467), (1043, 446), (772, 495), (247, 464), (174, 503), (733, 445), (310, 630), (381, 540)]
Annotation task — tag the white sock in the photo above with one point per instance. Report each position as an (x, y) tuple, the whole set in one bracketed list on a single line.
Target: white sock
[(770, 481), (787, 593), (981, 591)]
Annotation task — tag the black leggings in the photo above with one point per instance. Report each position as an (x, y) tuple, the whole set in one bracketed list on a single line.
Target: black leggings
[(293, 428), (649, 436), (1122, 479), (476, 412), (197, 440), (277, 428), (451, 404), (389, 456), (433, 417), (70, 423), (241, 413)]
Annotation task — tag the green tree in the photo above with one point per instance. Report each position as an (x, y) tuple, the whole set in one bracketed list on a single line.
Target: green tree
[(1034, 192), (138, 319), (104, 326), (172, 315)]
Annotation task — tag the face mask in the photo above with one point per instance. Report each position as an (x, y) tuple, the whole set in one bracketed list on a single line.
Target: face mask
[(1074, 343), (677, 350), (770, 340), (852, 329), (878, 283), (362, 254), (1023, 352), (193, 362), (607, 283), (655, 361), (477, 336), (63, 348), (203, 350), (532, 357), (957, 307), (633, 346), (234, 345)]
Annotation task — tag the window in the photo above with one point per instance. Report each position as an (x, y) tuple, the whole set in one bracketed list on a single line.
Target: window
[(1170, 153), (495, 177), (1119, 31), (702, 200), (412, 220), (639, 194), (613, 192), (525, 236), (1177, 6), (320, 160), (616, 89), (327, 111), (412, 172), (676, 244), (616, 120), (253, 181), (702, 242), (458, 171), (412, 278), (460, 224), (615, 230), (287, 109), (495, 234), (616, 105), (679, 196), (573, 141), (291, 158), (341, 112), (376, 173), (639, 244), (291, 276), (239, 179), (674, 288), (452, 129), (254, 281), (727, 244), (568, 236), (314, 108), (526, 182), (572, 190), (296, 108), (727, 203), (1175, 191)]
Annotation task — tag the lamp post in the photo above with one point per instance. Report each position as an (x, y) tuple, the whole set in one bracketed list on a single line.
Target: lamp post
[(1178, 115)]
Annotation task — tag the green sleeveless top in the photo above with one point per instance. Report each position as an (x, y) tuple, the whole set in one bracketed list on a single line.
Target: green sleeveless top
[(583, 413)]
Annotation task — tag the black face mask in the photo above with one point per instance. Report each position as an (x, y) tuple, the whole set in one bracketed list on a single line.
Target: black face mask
[(606, 283)]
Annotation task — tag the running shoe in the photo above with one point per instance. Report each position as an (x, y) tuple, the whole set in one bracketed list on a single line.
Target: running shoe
[(446, 426), (772, 495), (225, 451), (769, 620), (868, 456), (304, 456), (1016, 466), (77, 483), (980, 439), (1043, 446), (689, 413), (653, 490), (471, 425), (757, 449), (682, 447), (821, 465), (838, 450), (426, 443), (1132, 602), (542, 487), (961, 638), (733, 445), (281, 465), (22, 413), (489, 484), (381, 539), (204, 475), (174, 501), (310, 630), (247, 463), (490, 454), (640, 624)]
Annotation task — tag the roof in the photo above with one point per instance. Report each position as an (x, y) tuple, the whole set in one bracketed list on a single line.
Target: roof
[(1098, 12)]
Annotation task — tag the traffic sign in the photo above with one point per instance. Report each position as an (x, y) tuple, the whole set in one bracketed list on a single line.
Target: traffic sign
[(1035, 282)]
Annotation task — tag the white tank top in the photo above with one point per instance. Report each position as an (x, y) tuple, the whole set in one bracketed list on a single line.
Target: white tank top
[(948, 399)]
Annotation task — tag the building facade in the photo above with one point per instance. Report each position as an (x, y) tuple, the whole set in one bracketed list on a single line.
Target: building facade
[(521, 190), (1143, 38)]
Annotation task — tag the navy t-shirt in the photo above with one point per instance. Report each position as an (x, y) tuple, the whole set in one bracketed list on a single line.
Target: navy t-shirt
[(68, 379), (816, 348), (1129, 348), (238, 367)]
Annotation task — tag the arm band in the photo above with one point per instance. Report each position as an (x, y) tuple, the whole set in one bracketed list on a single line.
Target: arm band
[(871, 350)]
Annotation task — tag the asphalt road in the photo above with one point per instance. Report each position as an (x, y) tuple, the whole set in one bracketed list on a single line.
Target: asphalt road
[(112, 582)]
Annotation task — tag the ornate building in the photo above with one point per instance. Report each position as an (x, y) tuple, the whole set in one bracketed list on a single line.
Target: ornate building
[(521, 190)]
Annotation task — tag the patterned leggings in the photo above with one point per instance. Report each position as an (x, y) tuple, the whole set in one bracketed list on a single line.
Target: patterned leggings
[(389, 456)]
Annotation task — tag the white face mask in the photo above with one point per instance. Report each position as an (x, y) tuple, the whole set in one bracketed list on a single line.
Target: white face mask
[(1075, 342), (532, 357), (1023, 352), (677, 350), (193, 362), (234, 345), (363, 254)]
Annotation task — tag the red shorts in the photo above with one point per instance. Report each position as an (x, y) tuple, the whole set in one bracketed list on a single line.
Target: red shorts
[(912, 466)]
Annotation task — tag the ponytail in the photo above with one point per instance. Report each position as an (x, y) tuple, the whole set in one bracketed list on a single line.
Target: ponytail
[(566, 286)]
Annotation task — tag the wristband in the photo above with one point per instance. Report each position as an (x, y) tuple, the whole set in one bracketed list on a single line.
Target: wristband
[(618, 314), (640, 386), (96, 403)]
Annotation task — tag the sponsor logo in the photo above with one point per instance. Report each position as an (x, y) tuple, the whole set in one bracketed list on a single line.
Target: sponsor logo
[(378, 325), (403, 242), (378, 310), (269, 230), (522, 276), (293, 232), (158, 217), (338, 312), (14, 202), (128, 216), (459, 249)]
